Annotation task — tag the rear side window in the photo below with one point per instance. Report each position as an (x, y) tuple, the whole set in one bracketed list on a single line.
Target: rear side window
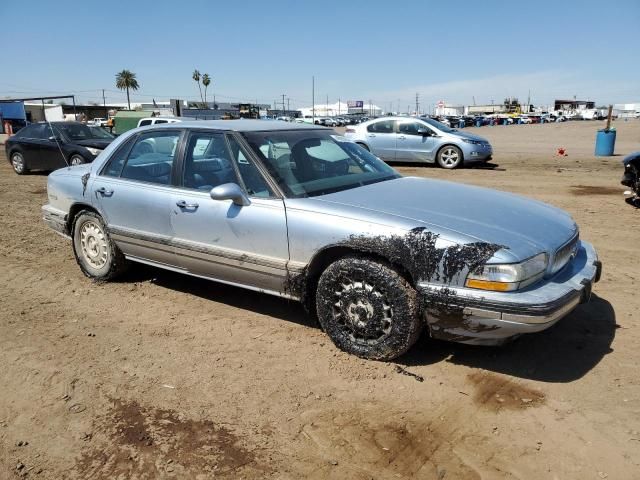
[(151, 157), (385, 126), (144, 123)]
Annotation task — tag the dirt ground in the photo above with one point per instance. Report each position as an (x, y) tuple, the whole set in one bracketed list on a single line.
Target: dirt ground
[(164, 376)]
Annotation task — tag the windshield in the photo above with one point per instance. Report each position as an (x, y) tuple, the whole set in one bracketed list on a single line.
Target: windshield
[(307, 163), (78, 131), (438, 125)]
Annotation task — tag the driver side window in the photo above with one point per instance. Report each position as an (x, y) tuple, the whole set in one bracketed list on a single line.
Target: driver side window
[(411, 128)]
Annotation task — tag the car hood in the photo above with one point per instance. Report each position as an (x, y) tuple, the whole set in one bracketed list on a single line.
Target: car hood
[(525, 226), (470, 136), (94, 143)]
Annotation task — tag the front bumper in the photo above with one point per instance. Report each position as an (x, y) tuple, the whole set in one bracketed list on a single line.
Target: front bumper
[(482, 317), (476, 153)]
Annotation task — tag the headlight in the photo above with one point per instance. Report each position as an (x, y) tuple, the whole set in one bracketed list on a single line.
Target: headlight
[(508, 277), (474, 142), (93, 151)]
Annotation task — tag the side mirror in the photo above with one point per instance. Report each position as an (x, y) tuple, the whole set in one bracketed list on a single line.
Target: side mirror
[(54, 139), (230, 191)]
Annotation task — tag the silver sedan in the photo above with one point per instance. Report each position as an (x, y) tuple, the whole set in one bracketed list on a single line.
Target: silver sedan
[(297, 211), (406, 139)]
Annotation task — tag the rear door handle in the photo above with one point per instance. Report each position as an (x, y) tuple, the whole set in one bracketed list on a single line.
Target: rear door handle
[(401, 137), (371, 135), (104, 191), (183, 204)]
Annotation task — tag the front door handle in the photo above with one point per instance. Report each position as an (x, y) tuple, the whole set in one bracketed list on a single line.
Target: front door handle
[(183, 204), (104, 191), (371, 135)]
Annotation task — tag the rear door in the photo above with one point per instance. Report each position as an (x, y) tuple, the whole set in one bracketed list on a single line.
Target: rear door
[(31, 140), (133, 194), (244, 245), (413, 146), (381, 138)]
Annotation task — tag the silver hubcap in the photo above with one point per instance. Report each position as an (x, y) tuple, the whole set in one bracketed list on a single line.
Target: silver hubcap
[(18, 163), (363, 312), (449, 157), (76, 161), (94, 244)]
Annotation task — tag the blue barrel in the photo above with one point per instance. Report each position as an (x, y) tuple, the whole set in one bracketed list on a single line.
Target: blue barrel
[(461, 123), (478, 122), (605, 142)]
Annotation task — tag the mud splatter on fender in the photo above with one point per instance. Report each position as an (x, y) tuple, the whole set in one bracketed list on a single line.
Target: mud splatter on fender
[(85, 180)]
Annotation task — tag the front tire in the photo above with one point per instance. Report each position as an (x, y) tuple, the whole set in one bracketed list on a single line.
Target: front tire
[(449, 157), (97, 255), (368, 309), (18, 163)]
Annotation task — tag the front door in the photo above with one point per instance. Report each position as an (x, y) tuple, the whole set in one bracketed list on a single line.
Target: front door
[(381, 138), (412, 144), (219, 239), (133, 194)]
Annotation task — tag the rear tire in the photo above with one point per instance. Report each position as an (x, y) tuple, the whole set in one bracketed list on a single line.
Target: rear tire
[(97, 255), (368, 309), (18, 163), (449, 157)]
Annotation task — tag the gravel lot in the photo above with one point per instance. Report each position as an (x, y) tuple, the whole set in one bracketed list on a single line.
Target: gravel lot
[(165, 376)]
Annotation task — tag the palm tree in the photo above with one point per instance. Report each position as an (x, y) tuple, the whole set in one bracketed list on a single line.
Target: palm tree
[(196, 78), (206, 81), (126, 80)]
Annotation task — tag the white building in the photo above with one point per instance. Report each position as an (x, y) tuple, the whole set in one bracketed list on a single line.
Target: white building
[(626, 110), (339, 108)]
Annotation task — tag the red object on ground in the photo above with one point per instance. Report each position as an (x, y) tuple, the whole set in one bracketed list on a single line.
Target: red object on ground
[(561, 152)]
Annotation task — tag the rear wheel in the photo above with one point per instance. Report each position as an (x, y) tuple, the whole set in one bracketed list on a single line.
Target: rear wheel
[(18, 163), (449, 157), (97, 255), (368, 309)]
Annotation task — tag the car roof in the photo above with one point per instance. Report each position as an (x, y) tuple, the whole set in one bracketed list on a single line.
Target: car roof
[(241, 125)]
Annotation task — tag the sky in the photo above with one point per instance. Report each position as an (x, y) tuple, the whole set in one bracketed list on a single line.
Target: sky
[(458, 52)]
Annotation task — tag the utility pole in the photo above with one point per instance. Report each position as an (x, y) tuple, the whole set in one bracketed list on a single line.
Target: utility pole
[(288, 108), (338, 106), (370, 108), (283, 103), (417, 103), (104, 104), (326, 108), (313, 98)]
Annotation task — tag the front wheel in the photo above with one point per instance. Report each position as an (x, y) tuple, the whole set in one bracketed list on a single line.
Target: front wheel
[(97, 255), (368, 309), (18, 163), (450, 157)]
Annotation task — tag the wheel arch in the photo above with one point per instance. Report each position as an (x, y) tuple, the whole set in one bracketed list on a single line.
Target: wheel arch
[(74, 210), (326, 256), (449, 144)]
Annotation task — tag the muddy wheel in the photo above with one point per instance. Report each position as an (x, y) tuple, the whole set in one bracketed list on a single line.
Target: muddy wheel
[(97, 255), (449, 157), (18, 163), (368, 309)]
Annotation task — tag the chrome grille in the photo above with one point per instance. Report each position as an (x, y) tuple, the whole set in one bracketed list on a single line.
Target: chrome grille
[(564, 254)]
